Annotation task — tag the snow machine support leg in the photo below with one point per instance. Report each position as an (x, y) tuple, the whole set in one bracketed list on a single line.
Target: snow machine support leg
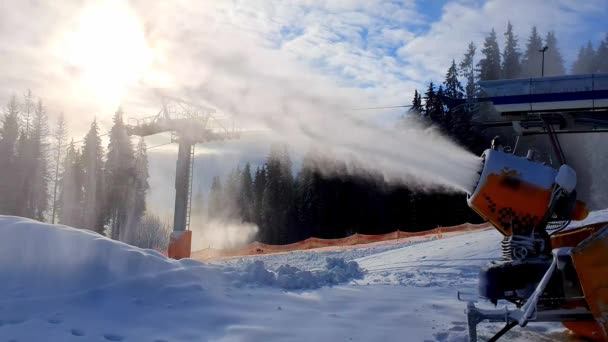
[(476, 316), (528, 311)]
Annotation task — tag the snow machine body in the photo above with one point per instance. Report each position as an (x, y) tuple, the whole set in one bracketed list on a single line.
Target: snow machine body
[(548, 273)]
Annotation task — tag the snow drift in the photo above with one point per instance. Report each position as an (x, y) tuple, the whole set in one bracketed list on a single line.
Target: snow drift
[(64, 284)]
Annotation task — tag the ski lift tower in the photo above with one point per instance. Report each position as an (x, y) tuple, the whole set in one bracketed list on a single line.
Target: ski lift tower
[(188, 124)]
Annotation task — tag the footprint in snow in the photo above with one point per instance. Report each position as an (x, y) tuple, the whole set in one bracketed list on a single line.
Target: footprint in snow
[(14, 320), (458, 328), (442, 336), (113, 337), (54, 320), (77, 332)]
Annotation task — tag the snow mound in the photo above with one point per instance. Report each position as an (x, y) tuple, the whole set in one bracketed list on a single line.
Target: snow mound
[(32, 253), (336, 271)]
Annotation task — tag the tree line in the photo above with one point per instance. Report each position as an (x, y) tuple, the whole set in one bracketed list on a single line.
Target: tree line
[(291, 205), (47, 178), (512, 62)]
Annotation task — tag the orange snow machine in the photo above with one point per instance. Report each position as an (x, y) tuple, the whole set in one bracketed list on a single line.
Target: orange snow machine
[(548, 273)]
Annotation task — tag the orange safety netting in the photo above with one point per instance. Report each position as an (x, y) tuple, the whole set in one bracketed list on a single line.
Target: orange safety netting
[(255, 248)]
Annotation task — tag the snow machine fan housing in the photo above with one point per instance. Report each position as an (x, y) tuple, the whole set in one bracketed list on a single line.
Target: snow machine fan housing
[(517, 194)]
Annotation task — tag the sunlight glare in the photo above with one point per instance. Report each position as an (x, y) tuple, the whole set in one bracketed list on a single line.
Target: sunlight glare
[(109, 50)]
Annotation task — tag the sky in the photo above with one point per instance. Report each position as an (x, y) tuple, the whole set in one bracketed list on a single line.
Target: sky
[(86, 58), (246, 57)]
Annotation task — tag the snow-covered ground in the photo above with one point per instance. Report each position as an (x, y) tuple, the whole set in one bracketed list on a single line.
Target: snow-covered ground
[(63, 284)]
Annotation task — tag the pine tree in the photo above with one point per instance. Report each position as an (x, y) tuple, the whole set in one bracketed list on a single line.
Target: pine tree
[(429, 101), (489, 65), (532, 58), (554, 62), (511, 67), (454, 95), (198, 206), (467, 67), (141, 183), (215, 199), (307, 195), (23, 173), (433, 105), (277, 199), (246, 200), (28, 111), (601, 56), (416, 106), (70, 206), (585, 62), (59, 137), (438, 115), (39, 199), (9, 134), (232, 190), (92, 159), (119, 177), (453, 87), (259, 184)]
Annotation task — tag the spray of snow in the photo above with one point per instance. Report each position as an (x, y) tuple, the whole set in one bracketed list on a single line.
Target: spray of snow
[(222, 234), (414, 155), (299, 106)]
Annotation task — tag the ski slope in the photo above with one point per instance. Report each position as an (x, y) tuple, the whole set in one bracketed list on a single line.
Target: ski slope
[(64, 284)]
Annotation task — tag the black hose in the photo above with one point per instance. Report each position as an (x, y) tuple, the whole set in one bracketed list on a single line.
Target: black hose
[(503, 331)]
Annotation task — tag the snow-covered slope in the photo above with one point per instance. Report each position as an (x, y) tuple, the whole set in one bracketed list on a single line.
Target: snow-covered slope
[(63, 284)]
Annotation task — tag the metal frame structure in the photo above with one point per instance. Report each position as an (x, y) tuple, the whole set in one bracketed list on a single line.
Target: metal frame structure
[(189, 124)]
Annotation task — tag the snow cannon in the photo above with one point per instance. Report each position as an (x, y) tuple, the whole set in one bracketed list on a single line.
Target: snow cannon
[(517, 194), (547, 273)]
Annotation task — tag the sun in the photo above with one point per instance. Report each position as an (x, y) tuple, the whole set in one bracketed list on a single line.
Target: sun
[(108, 49)]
